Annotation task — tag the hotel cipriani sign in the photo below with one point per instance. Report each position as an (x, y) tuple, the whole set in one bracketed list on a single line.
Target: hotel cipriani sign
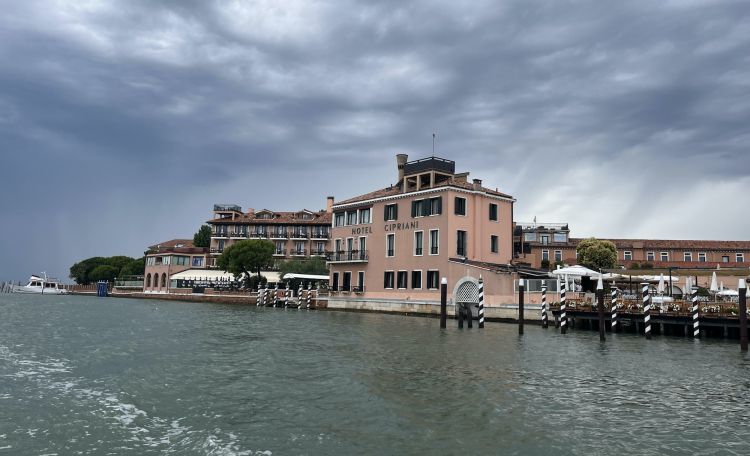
[(388, 227)]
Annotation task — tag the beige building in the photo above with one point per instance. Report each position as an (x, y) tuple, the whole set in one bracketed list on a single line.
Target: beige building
[(168, 258), (396, 243), (302, 234)]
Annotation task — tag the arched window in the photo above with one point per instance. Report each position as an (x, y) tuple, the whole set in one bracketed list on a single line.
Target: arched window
[(148, 280), (164, 280)]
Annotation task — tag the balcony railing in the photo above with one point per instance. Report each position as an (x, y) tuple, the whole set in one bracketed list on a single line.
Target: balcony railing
[(321, 235), (220, 233), (216, 250), (258, 234), (318, 252), (299, 252), (353, 256), (239, 234), (279, 235), (300, 234), (279, 252)]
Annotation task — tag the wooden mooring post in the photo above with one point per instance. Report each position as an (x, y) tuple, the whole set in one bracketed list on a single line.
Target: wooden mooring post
[(521, 289), (600, 305), (443, 301)]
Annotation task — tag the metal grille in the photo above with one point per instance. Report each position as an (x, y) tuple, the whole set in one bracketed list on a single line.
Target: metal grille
[(467, 292)]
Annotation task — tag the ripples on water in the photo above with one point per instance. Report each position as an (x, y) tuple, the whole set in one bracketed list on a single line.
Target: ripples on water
[(114, 376)]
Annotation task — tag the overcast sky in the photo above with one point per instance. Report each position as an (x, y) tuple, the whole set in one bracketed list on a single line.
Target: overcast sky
[(121, 123)]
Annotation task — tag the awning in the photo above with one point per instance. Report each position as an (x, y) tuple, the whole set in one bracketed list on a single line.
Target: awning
[(216, 275), (576, 271), (291, 276)]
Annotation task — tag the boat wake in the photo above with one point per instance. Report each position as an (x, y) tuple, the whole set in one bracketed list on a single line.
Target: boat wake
[(128, 427)]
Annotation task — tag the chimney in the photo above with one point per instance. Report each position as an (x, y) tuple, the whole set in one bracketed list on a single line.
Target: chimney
[(477, 184), (400, 162), (329, 205), (250, 212)]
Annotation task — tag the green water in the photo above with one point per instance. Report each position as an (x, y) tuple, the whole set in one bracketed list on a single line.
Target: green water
[(83, 375)]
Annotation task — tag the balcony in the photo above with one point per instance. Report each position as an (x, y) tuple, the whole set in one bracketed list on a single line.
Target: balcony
[(353, 256), (239, 234), (317, 253), (430, 164), (227, 208), (321, 235), (279, 252), (220, 234), (279, 235), (216, 250), (298, 252), (258, 235), (300, 234)]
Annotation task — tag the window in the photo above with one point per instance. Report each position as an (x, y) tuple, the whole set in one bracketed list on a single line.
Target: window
[(198, 262), (493, 212), (460, 206), (650, 256), (434, 242), (388, 279), (725, 259), (390, 245), (461, 243), (627, 255), (335, 282), (687, 256), (347, 285), (418, 242), (337, 244), (362, 247), (402, 277), (361, 281), (664, 256), (338, 219), (280, 247), (364, 215), (740, 258), (493, 244), (558, 255), (299, 247), (529, 237), (702, 257), (416, 280), (545, 255), (433, 282), (391, 212), (351, 218), (560, 237), (166, 260), (545, 239), (180, 260), (150, 261), (426, 207)]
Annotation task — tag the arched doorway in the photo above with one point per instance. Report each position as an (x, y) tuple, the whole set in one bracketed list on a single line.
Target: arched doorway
[(466, 292), (148, 280), (164, 280)]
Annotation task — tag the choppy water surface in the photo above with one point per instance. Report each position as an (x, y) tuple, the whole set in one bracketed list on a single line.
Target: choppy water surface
[(96, 376)]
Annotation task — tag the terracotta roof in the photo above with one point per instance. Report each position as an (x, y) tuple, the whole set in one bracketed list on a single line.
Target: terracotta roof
[(172, 244), (690, 244), (396, 190), (279, 218)]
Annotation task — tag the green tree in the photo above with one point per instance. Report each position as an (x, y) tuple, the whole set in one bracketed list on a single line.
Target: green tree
[(243, 257), (597, 254), (118, 262), (80, 271), (133, 268), (103, 272), (203, 237), (545, 264)]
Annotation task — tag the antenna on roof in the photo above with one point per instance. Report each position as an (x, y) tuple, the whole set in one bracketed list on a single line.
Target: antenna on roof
[(433, 145)]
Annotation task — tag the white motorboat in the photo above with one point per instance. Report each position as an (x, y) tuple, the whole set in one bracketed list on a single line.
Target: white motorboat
[(41, 285)]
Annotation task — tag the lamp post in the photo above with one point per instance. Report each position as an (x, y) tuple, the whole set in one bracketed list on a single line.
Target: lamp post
[(742, 289)]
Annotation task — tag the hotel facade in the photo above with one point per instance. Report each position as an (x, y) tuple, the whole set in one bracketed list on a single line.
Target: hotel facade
[(302, 234), (395, 244)]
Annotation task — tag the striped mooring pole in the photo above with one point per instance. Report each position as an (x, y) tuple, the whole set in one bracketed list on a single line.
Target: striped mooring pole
[(646, 309), (309, 293), (696, 315), (614, 308), (521, 289), (299, 296), (563, 317), (544, 304), (481, 302), (276, 294), (600, 308), (257, 300), (286, 296)]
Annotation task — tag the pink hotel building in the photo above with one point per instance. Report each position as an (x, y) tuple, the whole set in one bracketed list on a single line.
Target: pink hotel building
[(392, 246)]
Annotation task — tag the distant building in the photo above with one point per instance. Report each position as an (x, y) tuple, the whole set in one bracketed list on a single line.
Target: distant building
[(301, 234), (536, 242), (397, 242), (168, 258)]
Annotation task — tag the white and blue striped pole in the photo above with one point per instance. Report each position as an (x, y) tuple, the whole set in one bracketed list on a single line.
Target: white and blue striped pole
[(696, 314), (544, 304), (286, 296), (257, 300), (309, 293), (646, 297), (563, 317), (481, 302), (276, 294), (299, 296), (614, 308)]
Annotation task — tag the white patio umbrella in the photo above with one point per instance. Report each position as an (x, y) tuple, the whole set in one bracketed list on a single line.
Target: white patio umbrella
[(688, 286), (575, 271), (728, 292), (721, 286), (714, 286), (660, 287)]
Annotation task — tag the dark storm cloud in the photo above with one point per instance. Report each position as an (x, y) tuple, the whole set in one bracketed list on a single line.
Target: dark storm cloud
[(121, 122)]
